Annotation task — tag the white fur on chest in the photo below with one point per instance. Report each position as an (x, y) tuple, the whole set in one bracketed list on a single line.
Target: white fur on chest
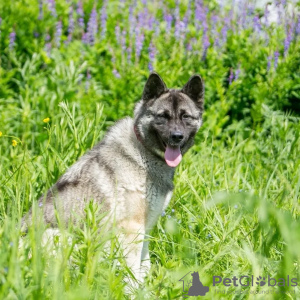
[(157, 200)]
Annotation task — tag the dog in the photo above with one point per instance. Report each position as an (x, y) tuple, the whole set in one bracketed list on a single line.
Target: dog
[(130, 172)]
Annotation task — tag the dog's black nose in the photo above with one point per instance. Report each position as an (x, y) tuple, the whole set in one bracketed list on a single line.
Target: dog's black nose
[(176, 136)]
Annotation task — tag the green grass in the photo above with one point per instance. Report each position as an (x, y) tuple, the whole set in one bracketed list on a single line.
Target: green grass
[(236, 212)]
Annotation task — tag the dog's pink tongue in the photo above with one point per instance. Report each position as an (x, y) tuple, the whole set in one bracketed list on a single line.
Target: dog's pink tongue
[(173, 156)]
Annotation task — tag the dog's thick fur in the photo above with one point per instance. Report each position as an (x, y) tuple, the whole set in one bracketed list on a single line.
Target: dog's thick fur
[(127, 172)]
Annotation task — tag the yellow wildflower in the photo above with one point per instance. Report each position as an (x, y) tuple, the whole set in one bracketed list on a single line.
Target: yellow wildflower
[(14, 143), (46, 120), (0, 133)]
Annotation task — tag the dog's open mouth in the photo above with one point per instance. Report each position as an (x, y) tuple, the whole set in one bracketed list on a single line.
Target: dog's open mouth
[(173, 154)]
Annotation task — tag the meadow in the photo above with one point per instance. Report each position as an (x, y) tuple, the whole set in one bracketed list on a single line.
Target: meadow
[(69, 69)]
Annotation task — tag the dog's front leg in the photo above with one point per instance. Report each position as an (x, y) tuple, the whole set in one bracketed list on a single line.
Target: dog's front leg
[(145, 260), (133, 248)]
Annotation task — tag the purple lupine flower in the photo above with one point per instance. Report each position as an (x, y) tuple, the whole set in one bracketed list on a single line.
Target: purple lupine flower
[(40, 17), (206, 44), (269, 63), (118, 34), (51, 7), (58, 33), (276, 56), (240, 15), (132, 21), (81, 22), (224, 31), (198, 10), (79, 9), (156, 27), (139, 45), (152, 54), (92, 27), (190, 44), (279, 17), (148, 19), (177, 21), (266, 15), (48, 47), (71, 25), (237, 72), (214, 21), (200, 17), (256, 23), (189, 47), (150, 22), (229, 18), (12, 40), (80, 13), (36, 34), (116, 73), (250, 9), (244, 16), (187, 15), (123, 41), (47, 37), (85, 38), (168, 18), (137, 29), (103, 20), (287, 41), (217, 42), (141, 20), (297, 29), (231, 76)]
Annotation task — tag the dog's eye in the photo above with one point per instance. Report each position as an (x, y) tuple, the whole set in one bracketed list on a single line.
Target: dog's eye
[(164, 116), (186, 117)]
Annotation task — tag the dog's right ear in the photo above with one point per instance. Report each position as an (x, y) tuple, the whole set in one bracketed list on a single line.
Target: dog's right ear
[(154, 87)]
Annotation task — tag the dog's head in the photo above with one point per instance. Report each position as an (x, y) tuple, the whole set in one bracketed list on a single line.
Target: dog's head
[(166, 120)]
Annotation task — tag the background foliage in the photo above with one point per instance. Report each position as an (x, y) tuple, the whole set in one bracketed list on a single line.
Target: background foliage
[(68, 69)]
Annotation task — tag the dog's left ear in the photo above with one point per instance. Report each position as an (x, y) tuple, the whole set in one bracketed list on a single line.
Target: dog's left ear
[(194, 88), (154, 87)]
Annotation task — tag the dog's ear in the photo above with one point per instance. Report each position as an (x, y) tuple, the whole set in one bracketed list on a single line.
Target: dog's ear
[(154, 87), (194, 88)]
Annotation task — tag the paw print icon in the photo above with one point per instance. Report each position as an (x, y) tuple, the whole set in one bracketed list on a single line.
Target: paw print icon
[(260, 281)]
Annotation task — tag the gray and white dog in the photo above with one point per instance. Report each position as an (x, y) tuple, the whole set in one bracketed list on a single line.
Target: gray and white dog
[(130, 172)]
